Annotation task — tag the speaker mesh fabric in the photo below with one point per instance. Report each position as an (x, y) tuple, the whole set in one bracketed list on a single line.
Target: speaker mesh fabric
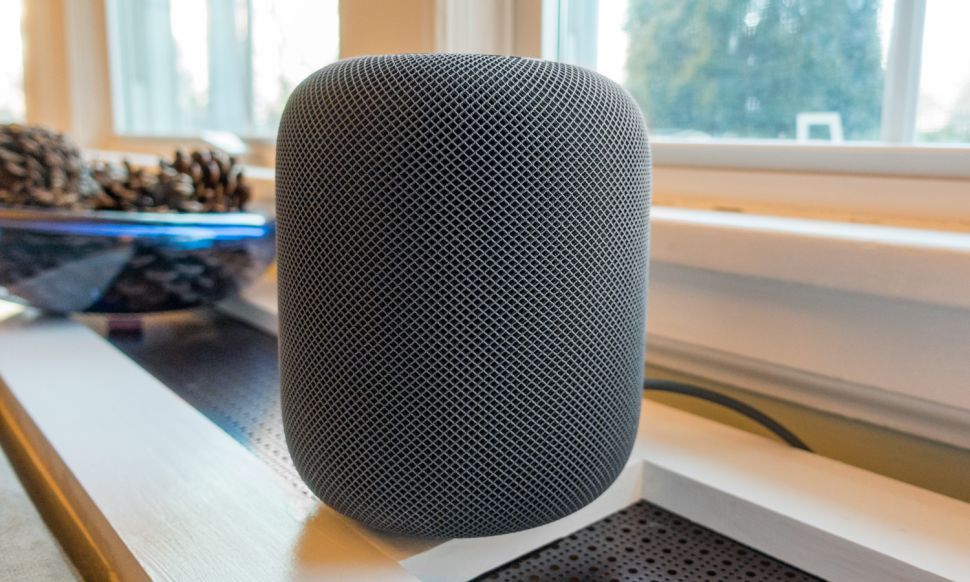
[(463, 269)]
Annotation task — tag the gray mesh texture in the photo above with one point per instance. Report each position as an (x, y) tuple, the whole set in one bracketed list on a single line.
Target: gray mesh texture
[(463, 269)]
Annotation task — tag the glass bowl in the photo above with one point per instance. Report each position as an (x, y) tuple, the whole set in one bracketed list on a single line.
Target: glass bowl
[(129, 262)]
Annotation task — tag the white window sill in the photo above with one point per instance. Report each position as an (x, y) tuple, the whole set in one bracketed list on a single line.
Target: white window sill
[(883, 261), (928, 160)]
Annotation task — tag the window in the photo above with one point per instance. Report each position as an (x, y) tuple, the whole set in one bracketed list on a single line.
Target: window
[(11, 61), (184, 67), (805, 70), (944, 100)]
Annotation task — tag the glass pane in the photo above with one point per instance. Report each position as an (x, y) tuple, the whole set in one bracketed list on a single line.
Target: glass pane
[(291, 39), (181, 67), (943, 114), (11, 61), (764, 69)]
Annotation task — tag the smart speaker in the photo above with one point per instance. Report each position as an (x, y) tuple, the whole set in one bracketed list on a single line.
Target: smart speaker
[(462, 285)]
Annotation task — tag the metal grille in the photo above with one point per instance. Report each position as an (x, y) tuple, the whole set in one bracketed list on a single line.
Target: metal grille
[(645, 542), (462, 268)]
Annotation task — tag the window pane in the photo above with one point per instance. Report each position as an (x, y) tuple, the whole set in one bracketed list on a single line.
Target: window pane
[(765, 69), (11, 61), (943, 114), (290, 41), (181, 67)]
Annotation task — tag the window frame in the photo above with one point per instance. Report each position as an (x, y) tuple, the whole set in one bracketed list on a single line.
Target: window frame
[(228, 54), (897, 154), (891, 182)]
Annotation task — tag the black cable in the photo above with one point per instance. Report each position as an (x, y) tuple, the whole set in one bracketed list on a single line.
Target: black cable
[(728, 402)]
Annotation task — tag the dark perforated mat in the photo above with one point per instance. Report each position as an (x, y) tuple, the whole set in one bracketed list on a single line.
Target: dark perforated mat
[(228, 371), (645, 542)]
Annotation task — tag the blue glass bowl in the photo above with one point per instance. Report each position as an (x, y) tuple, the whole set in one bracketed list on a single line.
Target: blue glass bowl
[(129, 262)]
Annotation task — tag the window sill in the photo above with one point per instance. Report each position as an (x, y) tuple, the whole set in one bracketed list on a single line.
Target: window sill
[(883, 261), (931, 160)]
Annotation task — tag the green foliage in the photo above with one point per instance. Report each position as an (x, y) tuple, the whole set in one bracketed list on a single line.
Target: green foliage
[(732, 68)]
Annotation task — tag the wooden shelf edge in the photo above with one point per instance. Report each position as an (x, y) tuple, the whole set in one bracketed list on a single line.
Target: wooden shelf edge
[(93, 547)]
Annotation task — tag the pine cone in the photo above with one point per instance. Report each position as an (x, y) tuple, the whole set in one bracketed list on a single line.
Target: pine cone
[(42, 168), (39, 167), (216, 177), (201, 182), (131, 188)]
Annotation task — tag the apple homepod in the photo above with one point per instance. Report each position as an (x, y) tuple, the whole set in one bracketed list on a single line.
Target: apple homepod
[(463, 278)]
